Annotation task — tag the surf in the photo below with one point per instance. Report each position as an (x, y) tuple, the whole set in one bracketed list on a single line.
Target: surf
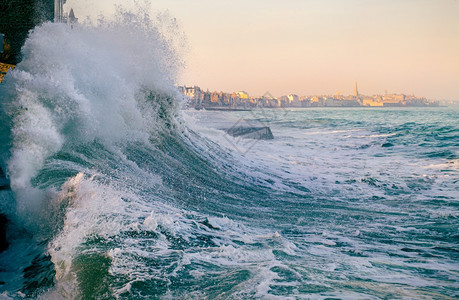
[(80, 92), (110, 191), (115, 193)]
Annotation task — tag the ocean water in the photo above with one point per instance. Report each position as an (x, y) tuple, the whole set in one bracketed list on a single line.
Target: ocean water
[(117, 193)]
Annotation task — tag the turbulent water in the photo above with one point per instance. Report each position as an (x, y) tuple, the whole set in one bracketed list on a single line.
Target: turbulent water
[(116, 193)]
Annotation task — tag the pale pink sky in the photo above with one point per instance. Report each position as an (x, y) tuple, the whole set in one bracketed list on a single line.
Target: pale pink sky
[(315, 46)]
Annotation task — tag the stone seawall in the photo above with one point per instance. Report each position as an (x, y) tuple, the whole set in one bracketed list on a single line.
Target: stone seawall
[(4, 185)]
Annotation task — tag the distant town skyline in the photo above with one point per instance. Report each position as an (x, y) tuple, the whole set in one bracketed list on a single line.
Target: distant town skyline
[(355, 92), (198, 98), (314, 47)]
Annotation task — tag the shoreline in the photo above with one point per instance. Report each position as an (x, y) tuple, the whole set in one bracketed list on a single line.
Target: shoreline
[(315, 107)]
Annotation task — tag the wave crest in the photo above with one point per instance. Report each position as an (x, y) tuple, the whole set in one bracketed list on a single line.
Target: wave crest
[(112, 83)]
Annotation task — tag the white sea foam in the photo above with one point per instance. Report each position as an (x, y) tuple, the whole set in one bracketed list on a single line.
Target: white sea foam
[(86, 83), (342, 165)]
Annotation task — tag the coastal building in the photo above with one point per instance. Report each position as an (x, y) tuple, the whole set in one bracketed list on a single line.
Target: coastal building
[(284, 99), (59, 16), (332, 102), (192, 91), (194, 94), (393, 100), (72, 20), (316, 101), (294, 100), (268, 100), (215, 98), (356, 90), (1, 42), (369, 101), (199, 99), (350, 103), (243, 95)]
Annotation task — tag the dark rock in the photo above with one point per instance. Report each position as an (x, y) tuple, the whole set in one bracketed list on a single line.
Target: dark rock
[(386, 145), (4, 184), (17, 17), (258, 133), (4, 187), (3, 224)]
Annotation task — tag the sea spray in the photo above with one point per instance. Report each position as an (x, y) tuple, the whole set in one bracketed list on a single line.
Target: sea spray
[(109, 84), (84, 84)]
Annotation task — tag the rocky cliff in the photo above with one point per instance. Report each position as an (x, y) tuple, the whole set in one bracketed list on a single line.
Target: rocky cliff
[(17, 18), (4, 68)]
